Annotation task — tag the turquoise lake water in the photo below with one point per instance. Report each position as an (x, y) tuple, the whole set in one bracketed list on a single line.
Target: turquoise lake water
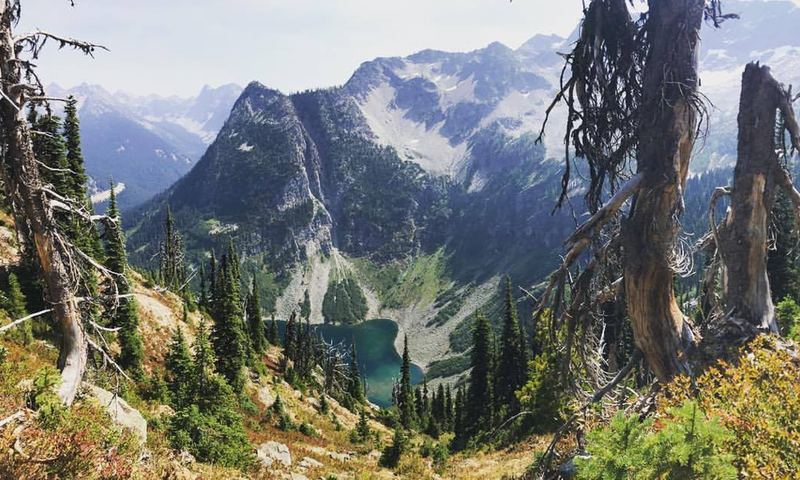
[(377, 358)]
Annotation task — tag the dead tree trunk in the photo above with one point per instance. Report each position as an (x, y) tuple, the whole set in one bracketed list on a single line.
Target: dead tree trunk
[(33, 210), (666, 137), (742, 238)]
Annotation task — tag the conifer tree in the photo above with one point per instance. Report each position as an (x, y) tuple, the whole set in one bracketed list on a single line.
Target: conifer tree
[(171, 267), (512, 365), (203, 358), (228, 336), (203, 295), (419, 404), (782, 262), (439, 405), (480, 397), (126, 315), (272, 334), (449, 414), (257, 338), (290, 337), (405, 398), (77, 180), (15, 306), (212, 280), (49, 149), (355, 389), (459, 423), (178, 363), (363, 432), (305, 306)]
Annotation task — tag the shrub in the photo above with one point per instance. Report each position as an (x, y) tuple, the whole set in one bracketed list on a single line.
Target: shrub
[(787, 314), (758, 401), (686, 444), (43, 398), (307, 430), (390, 457)]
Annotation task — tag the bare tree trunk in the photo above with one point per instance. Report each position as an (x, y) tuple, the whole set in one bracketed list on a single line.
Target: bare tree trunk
[(742, 240), (667, 133), (24, 187)]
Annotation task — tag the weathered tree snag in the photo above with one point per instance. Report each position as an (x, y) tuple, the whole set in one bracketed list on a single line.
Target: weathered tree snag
[(33, 210), (742, 239), (666, 134)]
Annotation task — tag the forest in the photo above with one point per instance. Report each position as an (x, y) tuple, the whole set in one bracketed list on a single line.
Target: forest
[(644, 352)]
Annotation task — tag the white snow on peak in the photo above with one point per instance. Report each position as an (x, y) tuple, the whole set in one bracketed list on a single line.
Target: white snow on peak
[(245, 147)]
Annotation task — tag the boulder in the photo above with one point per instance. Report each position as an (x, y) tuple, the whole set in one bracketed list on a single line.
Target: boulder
[(265, 396), (119, 410), (298, 476), (341, 457), (308, 462), (272, 452)]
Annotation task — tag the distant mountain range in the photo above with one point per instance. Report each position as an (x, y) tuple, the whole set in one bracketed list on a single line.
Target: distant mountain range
[(145, 142), (421, 177)]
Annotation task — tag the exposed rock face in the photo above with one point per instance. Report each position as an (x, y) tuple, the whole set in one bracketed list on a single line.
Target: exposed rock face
[(272, 452), (119, 410)]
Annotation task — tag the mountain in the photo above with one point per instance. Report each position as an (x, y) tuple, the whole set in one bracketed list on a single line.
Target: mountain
[(420, 181), (145, 142)]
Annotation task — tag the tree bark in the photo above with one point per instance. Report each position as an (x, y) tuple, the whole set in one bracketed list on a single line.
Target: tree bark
[(758, 175), (23, 186), (667, 133)]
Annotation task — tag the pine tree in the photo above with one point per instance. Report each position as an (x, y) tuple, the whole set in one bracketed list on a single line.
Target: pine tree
[(480, 397), (49, 149), (203, 358), (272, 334), (449, 413), (203, 295), (459, 423), (171, 255), (76, 181), (419, 404), (257, 338), (212, 280), (363, 432), (512, 365), (126, 316), (782, 261), (439, 411), (355, 389), (290, 337), (405, 398), (15, 306), (228, 337), (305, 306), (178, 363)]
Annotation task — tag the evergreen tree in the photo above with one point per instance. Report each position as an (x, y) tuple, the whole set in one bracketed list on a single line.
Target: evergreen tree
[(439, 403), (272, 334), (480, 397), (203, 358), (290, 337), (228, 337), (782, 261), (203, 295), (405, 398), (355, 389), (362, 431), (212, 280), (257, 338), (512, 365), (126, 315), (14, 304), (305, 306), (49, 149), (74, 157), (419, 404), (449, 414), (171, 267), (459, 420), (178, 363)]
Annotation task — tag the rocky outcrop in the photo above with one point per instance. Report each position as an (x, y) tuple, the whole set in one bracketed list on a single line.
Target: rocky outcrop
[(271, 452), (119, 410)]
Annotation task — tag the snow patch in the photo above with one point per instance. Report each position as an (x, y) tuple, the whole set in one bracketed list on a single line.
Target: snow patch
[(245, 147), (104, 195)]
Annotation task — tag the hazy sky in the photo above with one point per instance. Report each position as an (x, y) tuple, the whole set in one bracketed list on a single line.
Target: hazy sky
[(177, 46)]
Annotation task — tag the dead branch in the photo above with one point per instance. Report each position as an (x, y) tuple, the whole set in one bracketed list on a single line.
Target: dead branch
[(107, 358), (20, 415), (608, 210), (546, 459), (24, 319)]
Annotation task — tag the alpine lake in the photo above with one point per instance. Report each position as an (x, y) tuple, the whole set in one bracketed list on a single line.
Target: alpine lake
[(378, 360)]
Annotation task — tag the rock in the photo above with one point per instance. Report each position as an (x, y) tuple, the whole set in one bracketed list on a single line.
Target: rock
[(265, 396), (272, 452), (375, 455), (568, 469), (186, 458), (308, 462), (298, 476), (341, 457), (163, 410), (119, 410)]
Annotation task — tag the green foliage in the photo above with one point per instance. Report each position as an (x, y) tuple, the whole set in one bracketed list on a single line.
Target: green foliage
[(14, 304), (391, 455), (228, 335), (480, 396), (344, 302), (405, 397), (126, 316), (361, 433), (354, 389), (45, 400), (541, 394), (307, 430), (787, 314), (685, 445), (511, 367), (758, 400), (206, 422), (305, 305), (258, 339)]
